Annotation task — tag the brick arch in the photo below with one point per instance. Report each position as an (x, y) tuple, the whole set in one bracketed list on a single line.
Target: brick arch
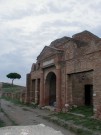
[(50, 89), (48, 72)]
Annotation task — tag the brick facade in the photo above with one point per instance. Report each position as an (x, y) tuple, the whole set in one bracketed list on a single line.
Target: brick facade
[(76, 64)]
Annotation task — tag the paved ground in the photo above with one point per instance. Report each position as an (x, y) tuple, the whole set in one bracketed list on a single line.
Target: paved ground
[(23, 115), (29, 130)]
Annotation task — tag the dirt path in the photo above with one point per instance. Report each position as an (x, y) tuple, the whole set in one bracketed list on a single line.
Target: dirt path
[(23, 115)]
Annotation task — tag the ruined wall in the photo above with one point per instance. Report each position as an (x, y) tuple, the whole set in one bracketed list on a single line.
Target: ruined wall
[(79, 80), (83, 59), (63, 84), (78, 64), (28, 85), (97, 83)]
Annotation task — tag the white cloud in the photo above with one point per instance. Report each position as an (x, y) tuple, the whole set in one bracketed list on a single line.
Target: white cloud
[(26, 26)]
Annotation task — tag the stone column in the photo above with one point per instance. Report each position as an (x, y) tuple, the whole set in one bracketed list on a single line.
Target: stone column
[(42, 89), (32, 92), (69, 98), (28, 84), (36, 91), (58, 88)]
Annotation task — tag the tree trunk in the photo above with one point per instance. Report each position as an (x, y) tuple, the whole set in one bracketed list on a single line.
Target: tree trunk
[(12, 81)]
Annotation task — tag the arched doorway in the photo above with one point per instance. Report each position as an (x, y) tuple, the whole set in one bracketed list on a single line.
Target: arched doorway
[(50, 95)]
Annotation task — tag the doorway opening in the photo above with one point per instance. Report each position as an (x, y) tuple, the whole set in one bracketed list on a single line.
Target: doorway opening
[(51, 89), (88, 95)]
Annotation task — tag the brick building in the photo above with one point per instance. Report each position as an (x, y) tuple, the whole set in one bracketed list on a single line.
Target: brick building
[(67, 72)]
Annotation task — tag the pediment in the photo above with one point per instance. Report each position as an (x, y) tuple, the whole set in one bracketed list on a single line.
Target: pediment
[(47, 51)]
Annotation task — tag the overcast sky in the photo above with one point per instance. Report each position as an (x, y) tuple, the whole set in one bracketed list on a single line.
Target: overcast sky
[(26, 26)]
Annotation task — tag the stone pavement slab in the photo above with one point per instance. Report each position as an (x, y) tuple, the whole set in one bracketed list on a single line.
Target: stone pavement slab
[(40, 129), (4, 118), (26, 116)]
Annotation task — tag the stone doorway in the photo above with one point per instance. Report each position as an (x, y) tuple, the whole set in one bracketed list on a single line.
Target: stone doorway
[(88, 95), (50, 94)]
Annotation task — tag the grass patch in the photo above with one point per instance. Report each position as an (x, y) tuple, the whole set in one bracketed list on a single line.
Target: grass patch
[(17, 102), (7, 87), (85, 110), (92, 124), (12, 89)]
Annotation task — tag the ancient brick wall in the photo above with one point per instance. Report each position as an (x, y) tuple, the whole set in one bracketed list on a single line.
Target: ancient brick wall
[(76, 63), (79, 80)]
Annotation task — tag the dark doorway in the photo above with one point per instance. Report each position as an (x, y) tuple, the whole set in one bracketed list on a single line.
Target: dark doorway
[(50, 90), (88, 95)]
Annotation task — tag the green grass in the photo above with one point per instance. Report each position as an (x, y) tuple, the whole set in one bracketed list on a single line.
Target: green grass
[(92, 124), (84, 110), (17, 102), (8, 85), (11, 88)]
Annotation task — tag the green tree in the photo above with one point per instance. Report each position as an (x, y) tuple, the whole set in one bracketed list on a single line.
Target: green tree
[(13, 76)]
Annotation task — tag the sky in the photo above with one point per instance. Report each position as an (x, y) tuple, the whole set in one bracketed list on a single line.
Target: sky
[(26, 26)]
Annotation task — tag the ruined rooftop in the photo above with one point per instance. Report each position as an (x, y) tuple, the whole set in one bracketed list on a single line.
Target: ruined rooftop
[(85, 36), (82, 38)]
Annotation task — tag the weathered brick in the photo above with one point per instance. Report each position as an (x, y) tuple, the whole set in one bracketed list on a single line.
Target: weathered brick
[(76, 63)]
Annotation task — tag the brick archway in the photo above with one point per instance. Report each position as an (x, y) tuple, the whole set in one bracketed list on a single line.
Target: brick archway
[(50, 89)]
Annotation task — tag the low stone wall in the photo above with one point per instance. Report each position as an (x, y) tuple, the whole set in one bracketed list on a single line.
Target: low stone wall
[(21, 96), (0, 89)]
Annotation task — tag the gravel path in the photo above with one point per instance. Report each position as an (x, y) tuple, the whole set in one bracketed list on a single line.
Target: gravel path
[(23, 115)]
